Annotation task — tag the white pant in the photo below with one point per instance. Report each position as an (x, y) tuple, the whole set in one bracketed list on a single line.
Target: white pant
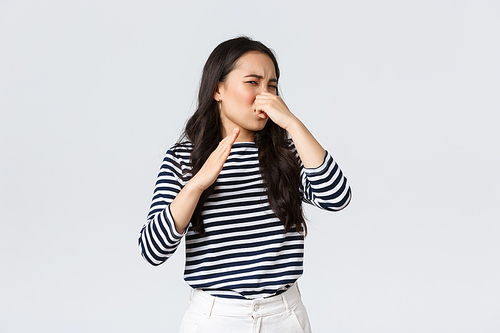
[(283, 313)]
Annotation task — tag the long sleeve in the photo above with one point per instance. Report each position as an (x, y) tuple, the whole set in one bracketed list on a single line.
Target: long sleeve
[(325, 186), (244, 252), (158, 238)]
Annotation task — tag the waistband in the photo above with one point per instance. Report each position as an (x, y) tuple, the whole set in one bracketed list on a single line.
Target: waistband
[(211, 305)]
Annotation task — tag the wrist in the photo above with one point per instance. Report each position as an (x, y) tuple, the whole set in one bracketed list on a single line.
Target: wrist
[(294, 126), (193, 188)]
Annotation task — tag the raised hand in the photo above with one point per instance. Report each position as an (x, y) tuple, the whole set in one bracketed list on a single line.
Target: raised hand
[(213, 165), (184, 204)]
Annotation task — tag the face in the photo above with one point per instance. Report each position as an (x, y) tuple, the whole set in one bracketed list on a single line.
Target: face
[(253, 73)]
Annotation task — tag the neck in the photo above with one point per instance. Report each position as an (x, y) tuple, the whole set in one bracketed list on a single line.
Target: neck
[(244, 136)]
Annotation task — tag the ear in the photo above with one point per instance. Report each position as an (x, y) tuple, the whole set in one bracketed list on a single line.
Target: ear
[(219, 91)]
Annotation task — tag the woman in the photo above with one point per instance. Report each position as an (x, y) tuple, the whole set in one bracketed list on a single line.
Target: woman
[(234, 186)]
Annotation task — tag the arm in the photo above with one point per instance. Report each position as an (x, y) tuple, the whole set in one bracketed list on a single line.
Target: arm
[(174, 204), (185, 202), (323, 183), (310, 151), (158, 238)]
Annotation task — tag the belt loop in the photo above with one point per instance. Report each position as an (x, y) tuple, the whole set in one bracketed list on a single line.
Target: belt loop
[(285, 302), (209, 312), (296, 283)]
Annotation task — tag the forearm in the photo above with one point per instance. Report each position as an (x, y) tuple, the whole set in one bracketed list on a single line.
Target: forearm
[(310, 151), (183, 206)]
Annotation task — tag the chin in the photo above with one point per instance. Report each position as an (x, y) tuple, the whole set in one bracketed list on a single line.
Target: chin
[(260, 126)]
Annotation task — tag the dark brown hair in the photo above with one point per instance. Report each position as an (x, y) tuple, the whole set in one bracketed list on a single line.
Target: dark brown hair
[(278, 164)]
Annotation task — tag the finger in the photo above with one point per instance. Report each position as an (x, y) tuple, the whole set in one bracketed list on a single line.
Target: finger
[(215, 162), (223, 142), (230, 139), (265, 96), (234, 135), (262, 114), (224, 147)]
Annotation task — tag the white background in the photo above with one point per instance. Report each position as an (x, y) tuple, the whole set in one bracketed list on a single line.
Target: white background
[(404, 95)]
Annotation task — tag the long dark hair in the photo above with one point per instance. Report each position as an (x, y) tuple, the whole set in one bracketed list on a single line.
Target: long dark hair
[(278, 164)]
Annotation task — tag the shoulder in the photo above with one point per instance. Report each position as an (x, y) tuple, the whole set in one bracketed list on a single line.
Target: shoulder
[(181, 148), (179, 154), (177, 161)]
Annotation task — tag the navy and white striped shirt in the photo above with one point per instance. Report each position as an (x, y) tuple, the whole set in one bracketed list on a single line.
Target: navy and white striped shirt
[(245, 253)]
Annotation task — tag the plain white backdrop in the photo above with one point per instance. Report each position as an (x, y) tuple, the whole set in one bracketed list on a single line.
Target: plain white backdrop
[(404, 95)]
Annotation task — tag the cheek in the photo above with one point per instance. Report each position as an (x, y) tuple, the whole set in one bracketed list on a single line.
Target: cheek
[(246, 95)]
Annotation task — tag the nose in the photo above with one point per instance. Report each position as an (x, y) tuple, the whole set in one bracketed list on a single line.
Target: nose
[(266, 89), (262, 88)]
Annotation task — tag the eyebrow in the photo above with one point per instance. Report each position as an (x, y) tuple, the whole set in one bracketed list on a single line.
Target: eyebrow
[(260, 77)]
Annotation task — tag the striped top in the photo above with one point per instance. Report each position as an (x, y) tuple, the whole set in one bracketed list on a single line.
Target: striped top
[(245, 253)]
